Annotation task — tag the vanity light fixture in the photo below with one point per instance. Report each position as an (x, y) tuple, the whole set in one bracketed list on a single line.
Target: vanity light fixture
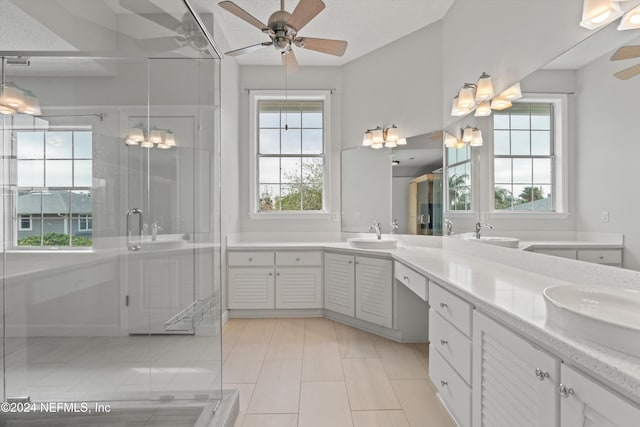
[(383, 137), (470, 135), (484, 88), (160, 138), (450, 141), (467, 134), (472, 96), (455, 110), (597, 13), (500, 103), (13, 99), (631, 20), (512, 93), (476, 138), (466, 97), (484, 109)]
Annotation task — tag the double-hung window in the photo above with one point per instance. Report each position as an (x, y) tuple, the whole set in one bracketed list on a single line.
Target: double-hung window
[(458, 168), (54, 178), (524, 153), (290, 154)]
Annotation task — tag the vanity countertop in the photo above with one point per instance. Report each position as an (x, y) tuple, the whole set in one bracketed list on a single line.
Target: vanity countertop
[(567, 244), (498, 282)]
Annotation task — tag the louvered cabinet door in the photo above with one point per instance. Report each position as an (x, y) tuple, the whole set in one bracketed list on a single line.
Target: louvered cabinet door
[(251, 288), (374, 290), (339, 283), (585, 403), (514, 383), (299, 287)]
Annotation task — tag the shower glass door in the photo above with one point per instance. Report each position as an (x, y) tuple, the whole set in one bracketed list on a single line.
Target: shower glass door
[(110, 210)]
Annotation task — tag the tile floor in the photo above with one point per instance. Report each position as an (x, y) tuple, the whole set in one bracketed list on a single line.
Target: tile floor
[(318, 373)]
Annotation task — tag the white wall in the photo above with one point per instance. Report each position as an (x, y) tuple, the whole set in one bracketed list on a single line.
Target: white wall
[(398, 83), (258, 77), (608, 150)]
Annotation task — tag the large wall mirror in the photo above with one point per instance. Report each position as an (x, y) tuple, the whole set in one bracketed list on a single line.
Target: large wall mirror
[(401, 185)]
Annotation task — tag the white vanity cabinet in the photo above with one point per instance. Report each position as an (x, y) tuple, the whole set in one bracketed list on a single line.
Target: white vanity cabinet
[(359, 287), (515, 383), (298, 279), (450, 351), (251, 280), (611, 257), (584, 403)]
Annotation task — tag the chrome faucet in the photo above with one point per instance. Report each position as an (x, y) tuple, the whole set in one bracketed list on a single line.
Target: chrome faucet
[(377, 227), (449, 226), (394, 226), (155, 227), (480, 226)]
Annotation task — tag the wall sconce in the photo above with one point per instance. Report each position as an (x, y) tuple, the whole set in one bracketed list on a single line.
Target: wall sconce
[(160, 138), (500, 103), (512, 93), (469, 135), (484, 109), (596, 13), (480, 97), (383, 137), (14, 100)]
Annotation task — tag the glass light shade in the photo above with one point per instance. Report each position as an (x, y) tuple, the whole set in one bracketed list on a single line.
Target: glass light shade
[(450, 141), (130, 141), (401, 141), (155, 136), (512, 93), (476, 140), (455, 111), (460, 144), (484, 109), (467, 134), (499, 103), (6, 110), (391, 144), (31, 105), (377, 137), (367, 139), (466, 98), (596, 13), (136, 134), (631, 20), (392, 133), (164, 146), (377, 146), (12, 97), (146, 144), (484, 89), (170, 139)]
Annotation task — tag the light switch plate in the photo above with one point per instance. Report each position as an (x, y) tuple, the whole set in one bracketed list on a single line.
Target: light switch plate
[(604, 216)]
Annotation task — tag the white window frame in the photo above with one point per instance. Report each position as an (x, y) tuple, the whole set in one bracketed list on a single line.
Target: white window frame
[(560, 164), (30, 218), (292, 95), (86, 219), (445, 178)]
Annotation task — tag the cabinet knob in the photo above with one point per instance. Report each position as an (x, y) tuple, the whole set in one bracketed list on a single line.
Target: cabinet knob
[(541, 375), (357, 262), (297, 259), (406, 278), (350, 262), (601, 257), (565, 391), (250, 259), (444, 383), (278, 273), (443, 304), (444, 342), (270, 274)]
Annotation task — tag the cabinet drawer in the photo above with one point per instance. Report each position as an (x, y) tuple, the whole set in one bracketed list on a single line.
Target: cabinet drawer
[(563, 253), (452, 308), (452, 344), (601, 256), (416, 282), (454, 392), (299, 258), (248, 259)]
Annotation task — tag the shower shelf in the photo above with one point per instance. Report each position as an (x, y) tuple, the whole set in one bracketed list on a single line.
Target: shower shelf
[(192, 315)]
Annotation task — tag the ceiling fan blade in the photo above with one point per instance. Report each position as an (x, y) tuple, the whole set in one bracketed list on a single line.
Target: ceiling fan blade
[(290, 62), (627, 73), (161, 44), (332, 47), (248, 49), (153, 13), (626, 52), (231, 7), (304, 12)]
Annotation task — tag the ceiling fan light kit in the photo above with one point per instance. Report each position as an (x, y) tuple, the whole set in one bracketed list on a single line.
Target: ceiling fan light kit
[(283, 28)]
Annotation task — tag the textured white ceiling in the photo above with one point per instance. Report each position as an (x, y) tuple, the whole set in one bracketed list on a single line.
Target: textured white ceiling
[(365, 24)]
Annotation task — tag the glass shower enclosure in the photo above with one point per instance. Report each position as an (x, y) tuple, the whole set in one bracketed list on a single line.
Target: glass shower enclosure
[(110, 213)]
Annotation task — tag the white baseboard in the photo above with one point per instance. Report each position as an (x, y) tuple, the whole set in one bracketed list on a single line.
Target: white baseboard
[(21, 331), (270, 313)]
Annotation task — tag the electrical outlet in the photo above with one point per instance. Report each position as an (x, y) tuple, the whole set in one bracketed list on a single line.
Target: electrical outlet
[(604, 216)]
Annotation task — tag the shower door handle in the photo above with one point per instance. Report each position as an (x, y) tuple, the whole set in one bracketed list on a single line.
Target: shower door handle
[(131, 245)]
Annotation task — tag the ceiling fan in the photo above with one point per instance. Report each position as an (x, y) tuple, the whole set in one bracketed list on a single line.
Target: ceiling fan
[(627, 52), (283, 29), (187, 32)]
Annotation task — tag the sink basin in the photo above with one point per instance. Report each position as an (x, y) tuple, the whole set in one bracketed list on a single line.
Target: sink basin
[(507, 242), (607, 316), (369, 243)]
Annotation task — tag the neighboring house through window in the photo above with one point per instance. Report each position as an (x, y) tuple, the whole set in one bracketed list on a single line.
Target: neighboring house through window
[(290, 173), (54, 170)]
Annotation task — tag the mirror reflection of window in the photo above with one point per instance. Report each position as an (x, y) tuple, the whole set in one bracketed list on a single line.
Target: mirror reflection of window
[(459, 179)]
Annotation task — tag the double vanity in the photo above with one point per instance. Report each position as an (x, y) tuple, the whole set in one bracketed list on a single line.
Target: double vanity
[(507, 346)]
